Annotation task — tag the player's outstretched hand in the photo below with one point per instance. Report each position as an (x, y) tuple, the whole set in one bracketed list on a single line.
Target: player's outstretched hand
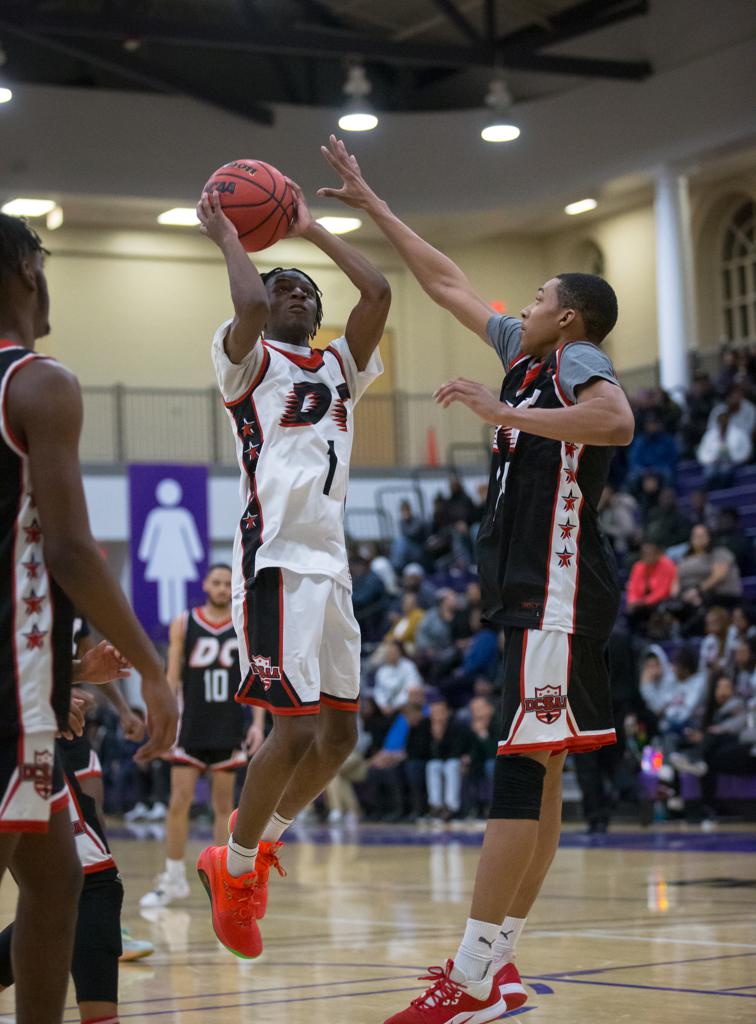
[(162, 718), (213, 221), (303, 219), (101, 665), (253, 740), (475, 396), (81, 702), (354, 190)]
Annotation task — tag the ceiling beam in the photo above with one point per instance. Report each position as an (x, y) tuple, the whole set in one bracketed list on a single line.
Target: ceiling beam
[(136, 71), (254, 16), (326, 43), (574, 22), (458, 19)]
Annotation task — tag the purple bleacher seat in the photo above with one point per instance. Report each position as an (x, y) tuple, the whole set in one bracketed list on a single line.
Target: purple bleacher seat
[(729, 787)]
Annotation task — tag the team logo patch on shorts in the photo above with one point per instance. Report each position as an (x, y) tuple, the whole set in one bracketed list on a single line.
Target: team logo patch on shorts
[(548, 703), (40, 773), (262, 668)]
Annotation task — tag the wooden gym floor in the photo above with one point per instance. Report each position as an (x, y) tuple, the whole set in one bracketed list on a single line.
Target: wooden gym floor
[(637, 926)]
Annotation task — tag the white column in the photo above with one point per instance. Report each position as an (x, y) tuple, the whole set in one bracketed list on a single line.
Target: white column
[(675, 300)]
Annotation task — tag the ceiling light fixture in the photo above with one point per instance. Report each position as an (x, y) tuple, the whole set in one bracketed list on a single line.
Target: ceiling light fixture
[(54, 219), (6, 95), (179, 217), (340, 225), (581, 206), (499, 126), (358, 115), (28, 207)]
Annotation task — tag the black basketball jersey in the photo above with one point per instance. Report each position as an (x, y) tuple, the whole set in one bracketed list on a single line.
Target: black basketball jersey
[(210, 717), (36, 617), (543, 561)]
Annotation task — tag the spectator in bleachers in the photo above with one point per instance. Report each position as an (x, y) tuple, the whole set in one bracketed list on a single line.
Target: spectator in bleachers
[(407, 620), (730, 534), (653, 451), (701, 399), (381, 566), (444, 743), (459, 506), (435, 636), (480, 660), (715, 651), (414, 581), (741, 628), (408, 546), (728, 369), (369, 599), (666, 525), (652, 583), (657, 685), (685, 706), (740, 411), (743, 668), (647, 492), (618, 517), (384, 785), (707, 575), (395, 679), (724, 719), (723, 448), (702, 512), (485, 744), (457, 575)]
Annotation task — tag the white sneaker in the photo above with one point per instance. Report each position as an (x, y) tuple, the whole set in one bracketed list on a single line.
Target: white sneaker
[(137, 813), (134, 949), (335, 816), (157, 812), (165, 892)]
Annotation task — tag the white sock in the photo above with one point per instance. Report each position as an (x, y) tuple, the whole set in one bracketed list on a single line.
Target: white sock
[(240, 860), (175, 869), (474, 955), (506, 940), (276, 827)]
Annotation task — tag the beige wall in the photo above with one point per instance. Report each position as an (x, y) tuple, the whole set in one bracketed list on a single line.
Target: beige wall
[(140, 308)]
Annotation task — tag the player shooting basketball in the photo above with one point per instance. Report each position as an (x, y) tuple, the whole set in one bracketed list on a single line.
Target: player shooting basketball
[(291, 410), (547, 579)]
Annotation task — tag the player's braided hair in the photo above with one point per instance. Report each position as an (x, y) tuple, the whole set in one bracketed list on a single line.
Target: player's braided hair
[(318, 293), (17, 242)]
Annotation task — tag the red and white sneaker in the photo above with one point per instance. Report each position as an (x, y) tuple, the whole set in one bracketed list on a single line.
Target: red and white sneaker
[(267, 858), (510, 986), (233, 903), (449, 1002)]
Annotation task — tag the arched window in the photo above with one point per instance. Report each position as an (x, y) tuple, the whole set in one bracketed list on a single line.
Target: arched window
[(588, 258), (739, 275)]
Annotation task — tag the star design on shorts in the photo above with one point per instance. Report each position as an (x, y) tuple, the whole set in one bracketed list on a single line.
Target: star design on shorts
[(35, 638), (249, 520), (248, 429), (569, 501), (32, 568), (252, 450), (570, 475), (570, 448), (565, 558), (33, 532), (33, 604), (567, 529)]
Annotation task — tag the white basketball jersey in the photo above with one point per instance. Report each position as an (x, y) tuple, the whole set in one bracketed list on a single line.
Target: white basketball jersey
[(291, 411)]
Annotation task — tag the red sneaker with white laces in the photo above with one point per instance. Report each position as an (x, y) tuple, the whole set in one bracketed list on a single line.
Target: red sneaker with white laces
[(449, 1002), (267, 858), (510, 986), (233, 903)]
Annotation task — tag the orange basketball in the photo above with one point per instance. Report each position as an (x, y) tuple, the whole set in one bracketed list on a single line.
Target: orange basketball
[(256, 199)]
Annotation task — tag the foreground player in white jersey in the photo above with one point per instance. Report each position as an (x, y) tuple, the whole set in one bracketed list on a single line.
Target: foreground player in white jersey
[(291, 410)]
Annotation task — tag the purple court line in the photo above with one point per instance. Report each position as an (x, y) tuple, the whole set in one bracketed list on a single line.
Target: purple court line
[(649, 988), (268, 1002)]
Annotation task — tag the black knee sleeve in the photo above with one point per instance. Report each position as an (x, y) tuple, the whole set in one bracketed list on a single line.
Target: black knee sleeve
[(6, 966), (517, 788), (98, 939)]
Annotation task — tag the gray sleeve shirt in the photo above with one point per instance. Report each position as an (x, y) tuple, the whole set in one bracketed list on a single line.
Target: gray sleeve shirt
[(504, 335), (582, 362)]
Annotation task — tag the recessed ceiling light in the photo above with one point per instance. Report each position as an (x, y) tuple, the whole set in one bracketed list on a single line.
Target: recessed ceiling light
[(581, 206), (5, 95), (28, 207), (500, 133), (54, 219), (180, 217), (360, 121), (340, 225)]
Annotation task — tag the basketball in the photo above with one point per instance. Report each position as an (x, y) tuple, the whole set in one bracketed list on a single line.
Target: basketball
[(256, 199)]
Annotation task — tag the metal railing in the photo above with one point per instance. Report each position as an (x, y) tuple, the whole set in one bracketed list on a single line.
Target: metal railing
[(402, 429)]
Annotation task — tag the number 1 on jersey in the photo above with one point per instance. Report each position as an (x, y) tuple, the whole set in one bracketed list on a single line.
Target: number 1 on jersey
[(332, 463)]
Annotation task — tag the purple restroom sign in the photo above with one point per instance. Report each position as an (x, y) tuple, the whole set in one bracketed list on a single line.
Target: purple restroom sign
[(168, 542)]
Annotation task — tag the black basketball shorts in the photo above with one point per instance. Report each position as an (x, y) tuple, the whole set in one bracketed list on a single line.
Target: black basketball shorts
[(555, 693)]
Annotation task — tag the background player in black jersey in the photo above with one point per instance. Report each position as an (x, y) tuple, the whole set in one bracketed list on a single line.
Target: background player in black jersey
[(203, 669), (48, 560), (547, 579)]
